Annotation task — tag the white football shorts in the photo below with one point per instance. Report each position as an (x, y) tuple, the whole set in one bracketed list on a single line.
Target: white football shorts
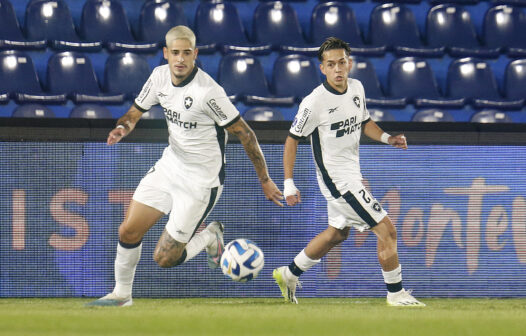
[(187, 203), (358, 209)]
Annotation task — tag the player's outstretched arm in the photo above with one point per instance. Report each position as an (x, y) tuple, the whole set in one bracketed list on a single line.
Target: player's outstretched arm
[(248, 138), (125, 125), (292, 194), (373, 131)]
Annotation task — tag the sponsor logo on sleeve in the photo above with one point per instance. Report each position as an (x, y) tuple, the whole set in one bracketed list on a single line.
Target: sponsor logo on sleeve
[(145, 90), (299, 124), (212, 104)]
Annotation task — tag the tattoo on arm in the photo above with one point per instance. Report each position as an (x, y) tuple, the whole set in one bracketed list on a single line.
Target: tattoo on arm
[(248, 138), (169, 252)]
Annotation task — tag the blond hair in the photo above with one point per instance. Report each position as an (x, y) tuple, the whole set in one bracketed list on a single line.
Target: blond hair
[(180, 32)]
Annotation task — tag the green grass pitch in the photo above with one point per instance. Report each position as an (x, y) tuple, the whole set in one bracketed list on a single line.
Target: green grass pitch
[(257, 316)]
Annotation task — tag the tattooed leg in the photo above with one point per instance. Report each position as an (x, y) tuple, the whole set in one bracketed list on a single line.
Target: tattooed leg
[(169, 252)]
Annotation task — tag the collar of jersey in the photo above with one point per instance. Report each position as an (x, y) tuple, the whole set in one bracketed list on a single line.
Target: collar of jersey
[(331, 89), (188, 79)]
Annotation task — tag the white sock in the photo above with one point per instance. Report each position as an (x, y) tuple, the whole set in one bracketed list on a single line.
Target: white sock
[(198, 243), (125, 264), (394, 276), (303, 262)]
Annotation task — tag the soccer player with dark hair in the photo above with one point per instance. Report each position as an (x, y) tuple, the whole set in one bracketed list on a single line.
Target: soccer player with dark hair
[(188, 179), (334, 116)]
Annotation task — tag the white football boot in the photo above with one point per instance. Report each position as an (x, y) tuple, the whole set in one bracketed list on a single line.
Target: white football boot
[(216, 248), (287, 286), (403, 298), (112, 300)]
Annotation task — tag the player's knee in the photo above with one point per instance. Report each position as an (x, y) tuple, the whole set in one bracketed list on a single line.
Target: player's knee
[(128, 236), (339, 236)]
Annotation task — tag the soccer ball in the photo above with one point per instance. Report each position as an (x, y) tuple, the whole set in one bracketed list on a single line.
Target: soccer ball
[(242, 260)]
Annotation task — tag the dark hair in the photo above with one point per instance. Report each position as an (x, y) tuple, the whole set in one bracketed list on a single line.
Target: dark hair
[(333, 43)]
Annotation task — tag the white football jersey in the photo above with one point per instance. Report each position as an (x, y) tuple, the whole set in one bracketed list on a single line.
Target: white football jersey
[(197, 111), (334, 120)]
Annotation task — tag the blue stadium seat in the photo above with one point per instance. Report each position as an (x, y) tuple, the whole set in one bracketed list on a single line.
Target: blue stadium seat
[(218, 23), (504, 27), (4, 98), (242, 77), (413, 78), (33, 111), (450, 25), (157, 17), (106, 21), (433, 115), (515, 80), (19, 80), (71, 73), (521, 3), (379, 115), (294, 76), (263, 114), (51, 20), (474, 80), (337, 19), (491, 116), (90, 111), (11, 36), (394, 26), (276, 23), (156, 112), (364, 71), (125, 73)]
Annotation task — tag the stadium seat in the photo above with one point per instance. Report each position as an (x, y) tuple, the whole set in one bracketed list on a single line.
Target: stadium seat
[(450, 25), (11, 36), (263, 114), (521, 3), (242, 77), (276, 23), (33, 111), (125, 73), (156, 112), (157, 17), (51, 20), (218, 23), (413, 78), (294, 76), (491, 116), (474, 80), (337, 19), (394, 26), (501, 27), (71, 73), (379, 115), (106, 21), (19, 80), (364, 71), (433, 115), (4, 98), (515, 80), (90, 111)]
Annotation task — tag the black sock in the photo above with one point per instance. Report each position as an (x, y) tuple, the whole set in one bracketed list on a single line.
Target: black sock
[(395, 287), (294, 269)]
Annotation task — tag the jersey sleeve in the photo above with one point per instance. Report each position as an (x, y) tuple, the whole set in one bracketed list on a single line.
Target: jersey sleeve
[(220, 108), (147, 97), (366, 116), (305, 121)]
